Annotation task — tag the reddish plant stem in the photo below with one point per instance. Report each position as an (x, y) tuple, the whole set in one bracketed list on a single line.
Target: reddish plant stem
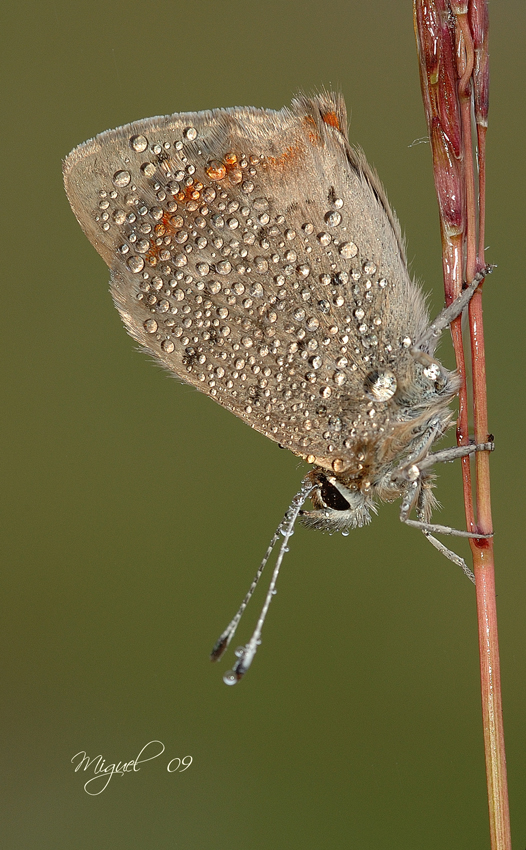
[(453, 271), (482, 550), (481, 157), (455, 33), (483, 557), (465, 61)]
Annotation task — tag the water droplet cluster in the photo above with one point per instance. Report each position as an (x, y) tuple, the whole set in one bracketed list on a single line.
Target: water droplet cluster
[(257, 261)]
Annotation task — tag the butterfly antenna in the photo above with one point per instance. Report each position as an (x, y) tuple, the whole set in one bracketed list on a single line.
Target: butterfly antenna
[(223, 641), (246, 654)]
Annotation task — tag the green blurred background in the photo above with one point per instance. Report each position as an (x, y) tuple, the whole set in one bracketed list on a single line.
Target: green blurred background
[(136, 510)]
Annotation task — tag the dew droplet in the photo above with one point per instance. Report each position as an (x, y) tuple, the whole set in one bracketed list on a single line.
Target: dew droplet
[(348, 250), (121, 179), (224, 267), (235, 175), (333, 219), (150, 326), (215, 170), (139, 143), (135, 264), (312, 323), (260, 264), (148, 169), (380, 384)]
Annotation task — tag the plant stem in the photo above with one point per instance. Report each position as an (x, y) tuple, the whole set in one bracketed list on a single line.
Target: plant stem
[(452, 46)]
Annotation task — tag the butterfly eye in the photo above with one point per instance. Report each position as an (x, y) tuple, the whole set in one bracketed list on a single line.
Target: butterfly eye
[(332, 497)]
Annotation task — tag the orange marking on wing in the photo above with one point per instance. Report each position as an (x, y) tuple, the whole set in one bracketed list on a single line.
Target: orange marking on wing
[(168, 226), (189, 193), (229, 167), (292, 153), (312, 132), (151, 257), (331, 119)]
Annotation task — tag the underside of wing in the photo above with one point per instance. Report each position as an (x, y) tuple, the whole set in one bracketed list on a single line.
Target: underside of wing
[(254, 254)]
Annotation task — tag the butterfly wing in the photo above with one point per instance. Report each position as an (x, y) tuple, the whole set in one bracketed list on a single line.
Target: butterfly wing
[(254, 254)]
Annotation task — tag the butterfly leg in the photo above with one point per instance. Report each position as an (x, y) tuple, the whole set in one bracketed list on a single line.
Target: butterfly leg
[(451, 556), (448, 314), (416, 494)]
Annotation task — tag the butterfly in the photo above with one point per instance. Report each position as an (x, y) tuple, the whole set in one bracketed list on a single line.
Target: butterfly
[(254, 254)]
